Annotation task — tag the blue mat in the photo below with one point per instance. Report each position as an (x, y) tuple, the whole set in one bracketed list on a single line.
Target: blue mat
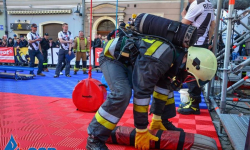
[(57, 87)]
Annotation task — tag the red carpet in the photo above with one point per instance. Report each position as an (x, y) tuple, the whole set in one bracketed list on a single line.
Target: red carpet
[(37, 121)]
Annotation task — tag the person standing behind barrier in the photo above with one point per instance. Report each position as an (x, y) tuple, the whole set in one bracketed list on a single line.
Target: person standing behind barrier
[(23, 42), (201, 15), (52, 44), (81, 46), (45, 46), (35, 49), (65, 38), (10, 42)]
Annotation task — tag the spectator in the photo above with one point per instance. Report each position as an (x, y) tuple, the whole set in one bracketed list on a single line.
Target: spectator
[(52, 44), (1, 42), (23, 42), (89, 40), (97, 42), (4, 44), (10, 42), (17, 44), (58, 44), (45, 46), (5, 38), (100, 36), (14, 39)]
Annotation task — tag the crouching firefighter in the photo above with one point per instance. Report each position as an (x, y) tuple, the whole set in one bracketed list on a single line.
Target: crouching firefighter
[(153, 61), (81, 48)]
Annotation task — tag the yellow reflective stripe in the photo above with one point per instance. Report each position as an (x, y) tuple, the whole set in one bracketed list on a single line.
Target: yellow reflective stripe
[(170, 101), (141, 109), (84, 69), (106, 51), (78, 44), (150, 51), (148, 41), (76, 68), (160, 96), (104, 122)]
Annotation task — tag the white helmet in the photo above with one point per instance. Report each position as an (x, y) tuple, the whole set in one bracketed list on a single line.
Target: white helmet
[(202, 64)]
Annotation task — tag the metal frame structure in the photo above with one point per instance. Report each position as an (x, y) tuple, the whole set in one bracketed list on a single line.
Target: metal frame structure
[(235, 126)]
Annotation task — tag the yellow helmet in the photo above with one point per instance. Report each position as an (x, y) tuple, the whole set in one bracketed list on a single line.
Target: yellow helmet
[(134, 16), (202, 64)]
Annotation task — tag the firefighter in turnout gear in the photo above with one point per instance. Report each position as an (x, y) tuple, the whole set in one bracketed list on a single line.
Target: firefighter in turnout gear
[(45, 46), (146, 65), (81, 47)]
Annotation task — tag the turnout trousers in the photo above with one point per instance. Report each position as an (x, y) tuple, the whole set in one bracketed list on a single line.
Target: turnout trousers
[(45, 59), (118, 77), (79, 56)]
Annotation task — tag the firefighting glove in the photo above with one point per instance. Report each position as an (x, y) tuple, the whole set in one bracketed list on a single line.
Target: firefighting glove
[(157, 124), (142, 139)]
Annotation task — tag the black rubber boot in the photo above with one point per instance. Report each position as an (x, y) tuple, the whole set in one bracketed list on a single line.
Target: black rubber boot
[(190, 108), (169, 126), (95, 144), (75, 72)]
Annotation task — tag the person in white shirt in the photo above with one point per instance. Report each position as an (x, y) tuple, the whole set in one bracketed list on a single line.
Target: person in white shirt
[(35, 49), (66, 38), (201, 15)]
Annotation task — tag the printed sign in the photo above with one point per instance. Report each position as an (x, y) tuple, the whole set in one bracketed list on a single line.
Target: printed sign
[(7, 55)]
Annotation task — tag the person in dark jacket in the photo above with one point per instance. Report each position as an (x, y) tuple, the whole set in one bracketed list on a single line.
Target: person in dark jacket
[(10, 42), (117, 32), (45, 46), (58, 44), (52, 44), (17, 44), (97, 42), (23, 42)]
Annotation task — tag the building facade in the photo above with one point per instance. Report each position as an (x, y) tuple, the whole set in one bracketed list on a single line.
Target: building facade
[(50, 14), (1, 19)]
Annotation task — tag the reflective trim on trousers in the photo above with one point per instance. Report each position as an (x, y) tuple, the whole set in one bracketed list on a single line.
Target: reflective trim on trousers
[(108, 116), (104, 122), (170, 101), (140, 109), (171, 95), (161, 90), (142, 101)]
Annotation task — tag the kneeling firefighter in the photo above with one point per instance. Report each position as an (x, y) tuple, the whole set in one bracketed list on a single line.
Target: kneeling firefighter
[(146, 64)]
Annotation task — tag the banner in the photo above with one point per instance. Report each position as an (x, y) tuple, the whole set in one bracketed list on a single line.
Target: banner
[(97, 55), (22, 55), (55, 52), (7, 55), (50, 56)]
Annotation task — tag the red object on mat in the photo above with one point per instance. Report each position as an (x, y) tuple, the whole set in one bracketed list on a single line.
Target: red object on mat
[(88, 95), (168, 139)]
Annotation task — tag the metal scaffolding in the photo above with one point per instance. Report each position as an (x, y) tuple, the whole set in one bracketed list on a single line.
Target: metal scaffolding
[(235, 126)]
